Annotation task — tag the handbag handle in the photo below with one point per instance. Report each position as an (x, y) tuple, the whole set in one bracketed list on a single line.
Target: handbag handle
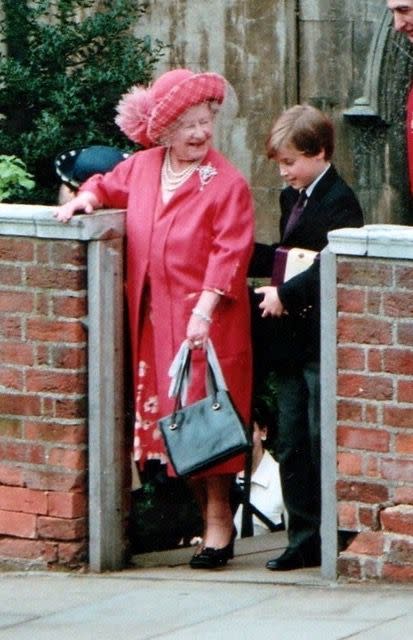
[(214, 366), (214, 380)]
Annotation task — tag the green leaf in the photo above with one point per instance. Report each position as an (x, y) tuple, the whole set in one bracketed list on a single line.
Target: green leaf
[(13, 177)]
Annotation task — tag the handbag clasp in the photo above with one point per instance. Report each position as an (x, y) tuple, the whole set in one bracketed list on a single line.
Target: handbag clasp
[(216, 406)]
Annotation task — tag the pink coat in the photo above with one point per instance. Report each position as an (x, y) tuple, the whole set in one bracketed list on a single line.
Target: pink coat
[(202, 238)]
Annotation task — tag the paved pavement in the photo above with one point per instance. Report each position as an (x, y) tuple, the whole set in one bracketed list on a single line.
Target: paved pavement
[(161, 597)]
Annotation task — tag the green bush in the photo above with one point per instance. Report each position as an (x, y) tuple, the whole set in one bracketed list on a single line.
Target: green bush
[(14, 179), (67, 64), (164, 514)]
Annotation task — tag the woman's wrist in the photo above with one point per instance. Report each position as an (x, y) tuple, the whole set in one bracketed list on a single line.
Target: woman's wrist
[(205, 305), (199, 313)]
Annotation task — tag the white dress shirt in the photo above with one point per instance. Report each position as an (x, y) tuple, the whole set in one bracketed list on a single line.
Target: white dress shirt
[(265, 495)]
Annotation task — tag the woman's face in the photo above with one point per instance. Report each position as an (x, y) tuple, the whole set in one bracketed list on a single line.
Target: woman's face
[(192, 138)]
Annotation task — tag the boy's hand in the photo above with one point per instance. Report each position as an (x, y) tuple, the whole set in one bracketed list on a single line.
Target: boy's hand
[(271, 305)]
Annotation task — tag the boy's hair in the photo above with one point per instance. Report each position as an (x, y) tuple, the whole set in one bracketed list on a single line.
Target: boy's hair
[(304, 127), (263, 414)]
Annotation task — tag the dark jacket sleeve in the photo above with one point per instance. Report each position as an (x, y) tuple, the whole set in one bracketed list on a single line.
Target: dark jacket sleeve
[(301, 291)]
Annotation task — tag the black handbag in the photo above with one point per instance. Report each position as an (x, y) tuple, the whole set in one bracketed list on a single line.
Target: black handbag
[(200, 435)]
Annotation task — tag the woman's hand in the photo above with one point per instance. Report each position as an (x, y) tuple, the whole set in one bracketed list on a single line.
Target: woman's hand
[(271, 305), (197, 331), (85, 201)]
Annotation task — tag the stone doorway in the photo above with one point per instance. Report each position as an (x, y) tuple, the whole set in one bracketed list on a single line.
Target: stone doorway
[(378, 125)]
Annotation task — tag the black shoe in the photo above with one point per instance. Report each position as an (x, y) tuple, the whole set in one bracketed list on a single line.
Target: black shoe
[(293, 559), (211, 558)]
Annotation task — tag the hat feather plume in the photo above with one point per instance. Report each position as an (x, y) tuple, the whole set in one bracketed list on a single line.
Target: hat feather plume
[(133, 112)]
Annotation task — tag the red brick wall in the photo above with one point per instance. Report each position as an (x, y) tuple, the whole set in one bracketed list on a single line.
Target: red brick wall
[(43, 349), (375, 416)]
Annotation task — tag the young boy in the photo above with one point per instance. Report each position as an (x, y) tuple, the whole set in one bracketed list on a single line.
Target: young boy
[(265, 495), (302, 143)]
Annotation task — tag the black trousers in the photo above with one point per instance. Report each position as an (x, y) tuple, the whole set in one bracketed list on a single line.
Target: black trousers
[(298, 453)]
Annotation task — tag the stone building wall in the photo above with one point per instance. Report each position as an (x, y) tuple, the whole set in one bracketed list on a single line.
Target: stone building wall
[(253, 45), (276, 53)]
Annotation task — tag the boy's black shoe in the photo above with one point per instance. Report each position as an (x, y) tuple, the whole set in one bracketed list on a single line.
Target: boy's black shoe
[(294, 559)]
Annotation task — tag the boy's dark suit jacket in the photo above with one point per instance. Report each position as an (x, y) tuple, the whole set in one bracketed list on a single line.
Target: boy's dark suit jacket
[(296, 337)]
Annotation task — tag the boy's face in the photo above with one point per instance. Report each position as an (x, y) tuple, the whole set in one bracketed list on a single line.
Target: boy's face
[(402, 16), (297, 169)]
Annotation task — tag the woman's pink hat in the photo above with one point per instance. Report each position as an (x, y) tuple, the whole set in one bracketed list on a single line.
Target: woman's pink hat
[(144, 114)]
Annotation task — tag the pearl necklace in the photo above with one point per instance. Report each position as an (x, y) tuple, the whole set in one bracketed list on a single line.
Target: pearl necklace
[(172, 180)]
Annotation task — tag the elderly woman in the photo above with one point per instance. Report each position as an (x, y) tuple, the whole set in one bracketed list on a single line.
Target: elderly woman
[(189, 241)]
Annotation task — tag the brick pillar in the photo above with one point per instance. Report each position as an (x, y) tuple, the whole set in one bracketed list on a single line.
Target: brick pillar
[(368, 401), (51, 302)]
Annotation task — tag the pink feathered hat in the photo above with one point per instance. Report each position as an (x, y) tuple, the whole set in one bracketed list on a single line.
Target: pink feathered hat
[(145, 113)]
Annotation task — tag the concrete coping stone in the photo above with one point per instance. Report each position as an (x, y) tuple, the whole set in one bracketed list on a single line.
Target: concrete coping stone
[(37, 221), (373, 240)]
